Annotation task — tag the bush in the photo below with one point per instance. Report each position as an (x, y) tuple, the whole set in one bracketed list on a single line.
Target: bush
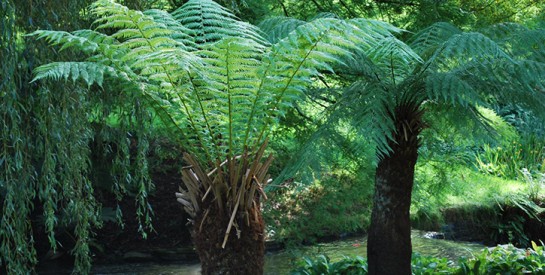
[(322, 265), (506, 259), (339, 203)]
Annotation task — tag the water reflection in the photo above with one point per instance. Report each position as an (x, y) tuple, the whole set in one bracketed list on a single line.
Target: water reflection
[(282, 262)]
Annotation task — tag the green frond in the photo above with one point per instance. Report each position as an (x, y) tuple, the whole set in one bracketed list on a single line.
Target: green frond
[(527, 45), (368, 104), (231, 87), (321, 15), (89, 72), (211, 22), (293, 61), (429, 39), (86, 41), (180, 33), (466, 47), (394, 58), (503, 32), (276, 28), (375, 27), (451, 88)]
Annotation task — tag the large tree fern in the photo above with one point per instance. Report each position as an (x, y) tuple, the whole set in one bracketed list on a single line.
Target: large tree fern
[(220, 86)]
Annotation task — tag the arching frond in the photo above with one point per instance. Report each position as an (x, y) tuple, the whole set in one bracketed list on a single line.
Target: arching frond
[(464, 48), (321, 15), (370, 113), (429, 39), (503, 32), (180, 33), (394, 59), (211, 22), (276, 28), (519, 41), (86, 41), (293, 61), (451, 88), (89, 72), (229, 90)]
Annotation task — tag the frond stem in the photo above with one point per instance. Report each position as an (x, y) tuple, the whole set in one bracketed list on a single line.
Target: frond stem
[(230, 105)]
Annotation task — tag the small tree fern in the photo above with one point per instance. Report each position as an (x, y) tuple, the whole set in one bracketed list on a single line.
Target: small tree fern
[(388, 86), (440, 65)]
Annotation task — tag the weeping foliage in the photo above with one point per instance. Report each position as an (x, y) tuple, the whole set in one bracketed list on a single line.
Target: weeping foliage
[(47, 131), (14, 224)]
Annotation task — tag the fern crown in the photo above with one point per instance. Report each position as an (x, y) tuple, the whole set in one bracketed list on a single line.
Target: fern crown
[(216, 81)]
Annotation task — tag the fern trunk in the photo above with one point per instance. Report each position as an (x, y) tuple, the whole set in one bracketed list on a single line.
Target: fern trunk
[(389, 241), (242, 255), (228, 229)]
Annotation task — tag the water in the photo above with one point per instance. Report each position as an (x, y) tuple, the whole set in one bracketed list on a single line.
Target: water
[(282, 262)]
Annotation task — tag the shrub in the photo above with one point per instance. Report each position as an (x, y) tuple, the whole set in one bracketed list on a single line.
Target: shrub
[(339, 203), (323, 265), (506, 259)]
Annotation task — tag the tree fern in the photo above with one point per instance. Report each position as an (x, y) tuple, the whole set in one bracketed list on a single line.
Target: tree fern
[(215, 80), (388, 85)]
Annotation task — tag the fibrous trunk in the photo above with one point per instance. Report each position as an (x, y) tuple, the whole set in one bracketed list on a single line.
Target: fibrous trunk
[(389, 241), (228, 229)]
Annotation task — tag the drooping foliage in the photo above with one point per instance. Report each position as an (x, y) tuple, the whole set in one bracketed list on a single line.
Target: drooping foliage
[(50, 135)]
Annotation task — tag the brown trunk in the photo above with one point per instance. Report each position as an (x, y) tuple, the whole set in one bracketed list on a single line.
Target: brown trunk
[(228, 228), (243, 254), (389, 242)]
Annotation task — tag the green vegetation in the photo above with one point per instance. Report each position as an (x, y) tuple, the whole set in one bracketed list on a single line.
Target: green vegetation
[(503, 259), (332, 206), (369, 108)]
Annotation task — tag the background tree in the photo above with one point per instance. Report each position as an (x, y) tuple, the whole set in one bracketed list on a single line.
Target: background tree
[(461, 70), (393, 85)]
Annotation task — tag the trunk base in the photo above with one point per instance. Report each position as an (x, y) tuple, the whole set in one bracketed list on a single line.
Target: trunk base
[(243, 254)]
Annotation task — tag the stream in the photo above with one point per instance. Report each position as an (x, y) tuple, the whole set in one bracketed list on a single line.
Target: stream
[(282, 262)]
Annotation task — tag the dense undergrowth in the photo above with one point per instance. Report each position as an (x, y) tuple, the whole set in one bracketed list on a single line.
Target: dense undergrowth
[(502, 259)]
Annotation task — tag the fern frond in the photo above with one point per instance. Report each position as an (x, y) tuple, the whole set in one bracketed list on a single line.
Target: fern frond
[(503, 32), (211, 22), (89, 72), (376, 28), (451, 88), (368, 104), (180, 33), (466, 47), (394, 58), (293, 61), (321, 46), (276, 28), (86, 41), (429, 39), (232, 65)]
